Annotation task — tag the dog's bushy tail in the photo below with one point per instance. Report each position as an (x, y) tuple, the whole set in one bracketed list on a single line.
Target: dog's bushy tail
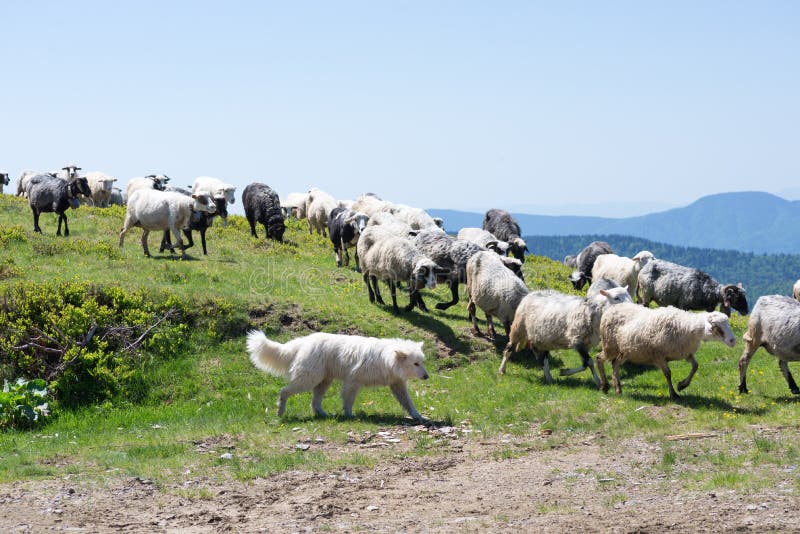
[(268, 355)]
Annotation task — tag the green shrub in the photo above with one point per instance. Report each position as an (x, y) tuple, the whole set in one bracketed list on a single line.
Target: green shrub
[(23, 403)]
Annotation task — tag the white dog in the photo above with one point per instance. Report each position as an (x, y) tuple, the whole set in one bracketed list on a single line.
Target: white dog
[(314, 361)]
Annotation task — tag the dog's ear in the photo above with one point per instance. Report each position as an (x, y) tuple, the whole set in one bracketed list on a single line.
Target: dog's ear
[(400, 355)]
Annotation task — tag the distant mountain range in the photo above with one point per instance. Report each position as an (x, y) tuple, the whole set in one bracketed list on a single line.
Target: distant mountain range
[(754, 221)]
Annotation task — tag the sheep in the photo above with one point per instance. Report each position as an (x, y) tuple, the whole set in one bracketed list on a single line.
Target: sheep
[(657, 336), (214, 187), (117, 198), (48, 194), (3, 180), (585, 262), (262, 205), (295, 205), (151, 181), (395, 259), (796, 290), (200, 221), (438, 221), (416, 218), (548, 320), (501, 224), (371, 204), (493, 288), (624, 271), (775, 326), (101, 185), (453, 254), (391, 223), (24, 180), (151, 209), (319, 206), (670, 284), (483, 238), (571, 260), (344, 228)]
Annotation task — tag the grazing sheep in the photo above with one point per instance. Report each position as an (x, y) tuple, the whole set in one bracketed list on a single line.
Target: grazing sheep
[(294, 205), (796, 290), (453, 254), (151, 209), (4, 181), (117, 198), (585, 262), (319, 206), (214, 187), (656, 337), (483, 238), (344, 228), (670, 284), (151, 181), (775, 326), (549, 320), (262, 205), (395, 259), (101, 185), (493, 288), (371, 204), (622, 270), (501, 224), (48, 194), (571, 261), (200, 222)]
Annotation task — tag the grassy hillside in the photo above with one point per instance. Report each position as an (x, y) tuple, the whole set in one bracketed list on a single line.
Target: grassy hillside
[(206, 412)]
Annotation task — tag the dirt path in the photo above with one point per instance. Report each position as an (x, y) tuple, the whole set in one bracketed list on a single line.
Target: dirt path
[(494, 486)]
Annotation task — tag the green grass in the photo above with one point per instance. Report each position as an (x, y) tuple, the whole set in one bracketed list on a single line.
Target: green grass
[(208, 400)]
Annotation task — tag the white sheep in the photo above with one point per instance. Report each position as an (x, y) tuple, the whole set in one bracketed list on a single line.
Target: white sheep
[(151, 181), (101, 185), (395, 259), (622, 270), (495, 289), (319, 206), (486, 239), (775, 326), (549, 320), (416, 218), (371, 204), (657, 336), (214, 187), (151, 210), (294, 205), (796, 290)]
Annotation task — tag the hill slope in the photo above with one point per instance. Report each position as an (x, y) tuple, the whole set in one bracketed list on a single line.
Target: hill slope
[(747, 221)]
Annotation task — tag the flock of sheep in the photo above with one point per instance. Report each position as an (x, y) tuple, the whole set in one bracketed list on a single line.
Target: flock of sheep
[(400, 244)]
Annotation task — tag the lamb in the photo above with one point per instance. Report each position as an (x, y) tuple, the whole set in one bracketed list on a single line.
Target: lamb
[(151, 181), (549, 320), (48, 194), (774, 325), (501, 224), (151, 209), (670, 284), (657, 336), (484, 239), (493, 288), (214, 187), (585, 262), (344, 228), (796, 290), (201, 221), (294, 205), (3, 180), (622, 270), (453, 254), (395, 259), (262, 205), (319, 206), (101, 185)]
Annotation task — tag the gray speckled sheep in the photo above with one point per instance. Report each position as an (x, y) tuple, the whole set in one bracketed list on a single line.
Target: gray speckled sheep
[(493, 288), (775, 326), (549, 320), (656, 337), (483, 238), (503, 225), (585, 262), (670, 284)]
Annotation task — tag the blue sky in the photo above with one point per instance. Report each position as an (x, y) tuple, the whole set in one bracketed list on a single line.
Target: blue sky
[(448, 104)]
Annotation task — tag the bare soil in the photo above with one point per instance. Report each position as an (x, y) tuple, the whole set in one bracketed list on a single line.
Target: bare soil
[(503, 484)]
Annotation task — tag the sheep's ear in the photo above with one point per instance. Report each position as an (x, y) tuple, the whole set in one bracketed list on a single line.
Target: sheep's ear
[(739, 285), (400, 355), (625, 288), (604, 292)]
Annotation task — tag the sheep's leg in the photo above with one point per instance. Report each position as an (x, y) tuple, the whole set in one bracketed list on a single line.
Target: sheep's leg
[(343, 248), (166, 242), (683, 384), (377, 289), (36, 227), (474, 318), (507, 352), (337, 256), (749, 349), (615, 366), (602, 385), (144, 242), (546, 367), (252, 221), (349, 392), (490, 327), (63, 216), (419, 302), (318, 395), (358, 263), (400, 393), (369, 288), (453, 283), (188, 234), (784, 365), (393, 290), (668, 375)]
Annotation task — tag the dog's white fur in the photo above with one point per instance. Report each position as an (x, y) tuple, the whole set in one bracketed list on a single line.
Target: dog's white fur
[(312, 362)]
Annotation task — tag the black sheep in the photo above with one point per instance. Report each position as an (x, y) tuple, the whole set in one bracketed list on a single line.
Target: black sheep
[(261, 204), (584, 262), (504, 227), (344, 228), (48, 194)]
